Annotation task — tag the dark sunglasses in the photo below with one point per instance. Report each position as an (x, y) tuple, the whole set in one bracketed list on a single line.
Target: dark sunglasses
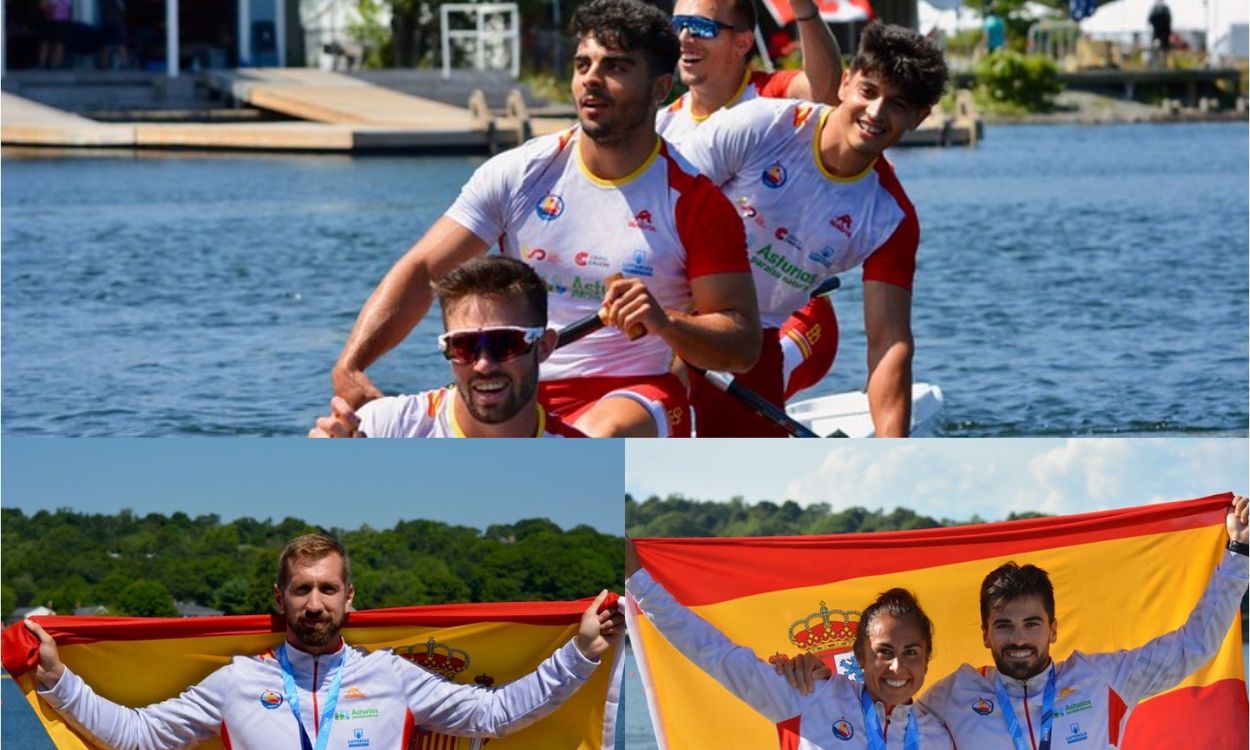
[(501, 343), (700, 26)]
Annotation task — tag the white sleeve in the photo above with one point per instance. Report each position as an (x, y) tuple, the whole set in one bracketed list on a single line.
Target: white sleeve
[(476, 711), (485, 201), (391, 416), (721, 147), (179, 722), (735, 667), (1164, 661)]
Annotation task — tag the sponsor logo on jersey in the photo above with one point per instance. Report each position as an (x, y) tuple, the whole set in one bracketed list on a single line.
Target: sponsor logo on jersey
[(784, 235), (357, 714), (776, 265), (842, 224), (744, 205), (586, 258), (354, 694), (983, 707), (590, 289), (676, 416), (1074, 708), (774, 176), (549, 207), (642, 220), (270, 700), (539, 255), (842, 730), (824, 256), (1076, 734), (801, 113), (638, 266), (358, 739)]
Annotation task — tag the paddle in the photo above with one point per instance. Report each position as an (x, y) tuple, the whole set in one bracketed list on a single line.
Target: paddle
[(724, 381)]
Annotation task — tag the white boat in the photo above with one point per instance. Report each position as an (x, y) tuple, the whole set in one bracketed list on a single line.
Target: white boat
[(846, 414)]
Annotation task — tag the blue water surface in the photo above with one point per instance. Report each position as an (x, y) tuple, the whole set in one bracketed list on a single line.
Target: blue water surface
[(1072, 280)]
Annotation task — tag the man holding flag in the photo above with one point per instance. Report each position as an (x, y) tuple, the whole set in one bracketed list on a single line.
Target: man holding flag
[(1027, 700), (289, 694)]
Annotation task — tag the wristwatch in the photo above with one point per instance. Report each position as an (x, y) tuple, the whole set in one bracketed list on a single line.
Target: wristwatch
[(1239, 547)]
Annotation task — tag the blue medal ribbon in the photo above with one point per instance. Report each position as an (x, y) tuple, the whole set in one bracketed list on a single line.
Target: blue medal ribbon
[(332, 700), (876, 733), (1013, 724)]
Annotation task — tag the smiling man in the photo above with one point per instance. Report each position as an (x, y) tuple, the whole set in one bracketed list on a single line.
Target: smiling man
[(611, 218), (286, 697), (818, 198), (495, 318)]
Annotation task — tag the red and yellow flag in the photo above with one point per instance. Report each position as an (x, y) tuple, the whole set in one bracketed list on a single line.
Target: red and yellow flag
[(137, 661), (1121, 577)]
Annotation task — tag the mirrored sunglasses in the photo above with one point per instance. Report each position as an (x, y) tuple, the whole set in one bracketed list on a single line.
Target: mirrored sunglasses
[(501, 343), (699, 26)]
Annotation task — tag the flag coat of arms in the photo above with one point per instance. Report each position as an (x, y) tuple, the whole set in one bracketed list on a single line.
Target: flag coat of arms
[(1121, 578), (140, 661)]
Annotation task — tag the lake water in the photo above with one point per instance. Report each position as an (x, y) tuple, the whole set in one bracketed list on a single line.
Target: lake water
[(1072, 280)]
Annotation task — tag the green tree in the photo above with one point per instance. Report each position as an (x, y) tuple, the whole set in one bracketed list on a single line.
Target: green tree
[(147, 599)]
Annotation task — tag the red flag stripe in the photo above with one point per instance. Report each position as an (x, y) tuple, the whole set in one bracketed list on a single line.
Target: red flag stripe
[(1192, 717)]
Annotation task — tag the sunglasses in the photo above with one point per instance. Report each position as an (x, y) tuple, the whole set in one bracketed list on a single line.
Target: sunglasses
[(501, 343), (700, 26)]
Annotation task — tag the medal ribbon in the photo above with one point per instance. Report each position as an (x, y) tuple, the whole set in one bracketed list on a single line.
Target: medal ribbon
[(1013, 724), (292, 699), (876, 733)]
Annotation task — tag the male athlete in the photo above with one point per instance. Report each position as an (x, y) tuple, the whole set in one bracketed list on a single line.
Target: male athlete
[(1015, 704), (717, 38), (495, 317), (286, 697), (817, 198), (584, 207)]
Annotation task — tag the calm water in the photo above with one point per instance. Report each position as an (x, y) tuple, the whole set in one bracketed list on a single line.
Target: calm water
[(1072, 280)]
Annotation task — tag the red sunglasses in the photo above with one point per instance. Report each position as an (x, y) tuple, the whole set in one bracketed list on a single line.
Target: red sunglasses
[(500, 343)]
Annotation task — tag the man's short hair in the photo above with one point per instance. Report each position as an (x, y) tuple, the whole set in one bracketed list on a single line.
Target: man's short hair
[(900, 604), (743, 15), (311, 547), (630, 25), (497, 277), (906, 59), (1009, 582)]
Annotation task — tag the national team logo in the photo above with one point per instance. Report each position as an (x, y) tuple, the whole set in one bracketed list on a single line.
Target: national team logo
[(676, 416), (270, 700), (774, 176), (983, 707), (824, 256), (549, 207), (801, 113), (642, 220), (843, 730), (638, 266), (842, 224)]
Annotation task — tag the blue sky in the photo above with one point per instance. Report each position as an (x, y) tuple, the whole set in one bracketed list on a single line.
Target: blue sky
[(328, 483), (945, 478)]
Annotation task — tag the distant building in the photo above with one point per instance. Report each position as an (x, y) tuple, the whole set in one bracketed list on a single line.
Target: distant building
[(187, 609), (95, 610), (21, 613)]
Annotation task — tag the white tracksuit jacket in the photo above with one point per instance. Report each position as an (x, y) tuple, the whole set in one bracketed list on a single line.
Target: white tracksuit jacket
[(1094, 693), (382, 698), (820, 719)]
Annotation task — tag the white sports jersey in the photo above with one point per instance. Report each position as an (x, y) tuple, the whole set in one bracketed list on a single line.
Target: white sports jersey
[(830, 717), (430, 415), (1095, 693), (663, 224), (676, 121), (803, 224), (382, 700)]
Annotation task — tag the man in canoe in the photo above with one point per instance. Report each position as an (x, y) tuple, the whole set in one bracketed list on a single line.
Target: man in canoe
[(1014, 704), (496, 335), (818, 198), (285, 697), (583, 207)]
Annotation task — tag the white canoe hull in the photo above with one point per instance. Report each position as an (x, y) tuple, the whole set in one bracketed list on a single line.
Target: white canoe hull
[(848, 413)]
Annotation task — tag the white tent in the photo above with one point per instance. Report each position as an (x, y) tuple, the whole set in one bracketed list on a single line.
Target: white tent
[(1130, 16), (950, 18)]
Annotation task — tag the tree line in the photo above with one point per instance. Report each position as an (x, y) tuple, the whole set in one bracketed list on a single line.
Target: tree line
[(139, 565)]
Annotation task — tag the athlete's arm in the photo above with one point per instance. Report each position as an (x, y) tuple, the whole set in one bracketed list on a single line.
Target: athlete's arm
[(887, 322), (400, 301), (822, 58), (1165, 661), (472, 711), (179, 722)]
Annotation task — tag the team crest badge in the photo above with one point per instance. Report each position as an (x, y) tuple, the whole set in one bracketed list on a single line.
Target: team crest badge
[(983, 707), (774, 176), (270, 700), (549, 207), (843, 730)]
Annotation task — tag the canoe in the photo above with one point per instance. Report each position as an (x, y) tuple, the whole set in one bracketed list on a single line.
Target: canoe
[(847, 413)]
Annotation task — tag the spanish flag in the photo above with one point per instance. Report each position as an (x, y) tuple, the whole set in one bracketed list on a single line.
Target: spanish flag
[(1121, 577), (138, 661)]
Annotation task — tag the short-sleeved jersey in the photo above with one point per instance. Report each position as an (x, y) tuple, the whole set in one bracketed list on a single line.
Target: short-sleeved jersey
[(430, 415), (664, 224), (676, 121), (803, 224)]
